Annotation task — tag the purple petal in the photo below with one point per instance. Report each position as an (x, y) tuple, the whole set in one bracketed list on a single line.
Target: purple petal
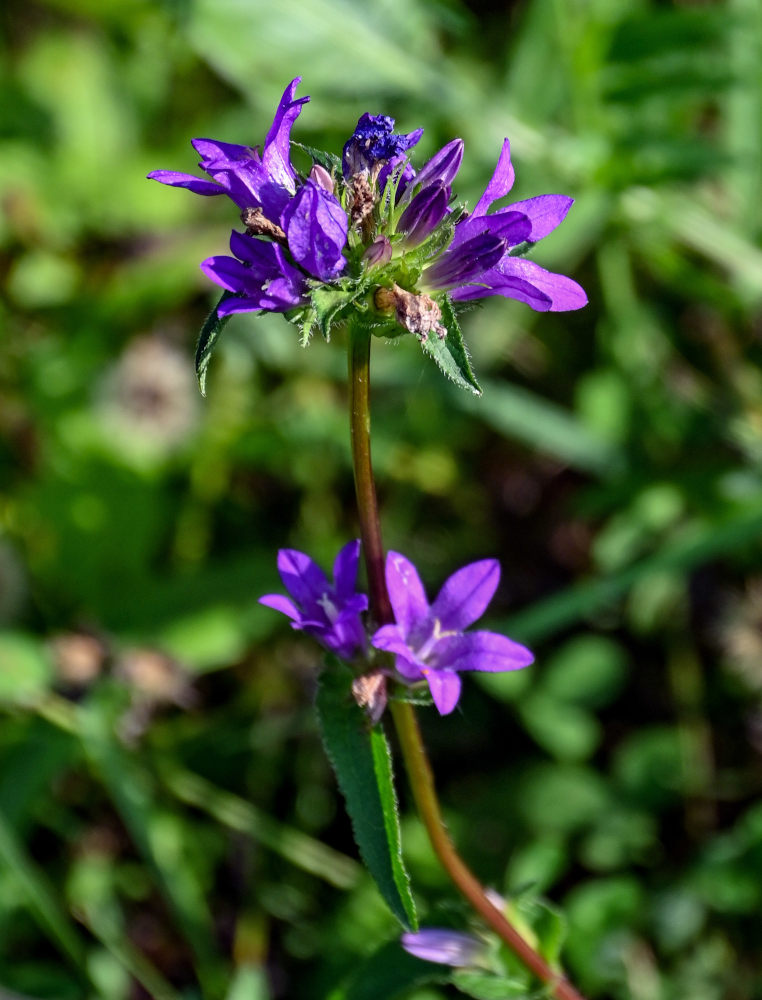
[(493, 282), (465, 595), (345, 570), (511, 227), (194, 184), (545, 212), (481, 651), (240, 304), (443, 165), (278, 602), (260, 255), (501, 182), (220, 154), (302, 577), (275, 153), (316, 227), (445, 689), (563, 292), (444, 946), (465, 263), (229, 273), (389, 639), (406, 593)]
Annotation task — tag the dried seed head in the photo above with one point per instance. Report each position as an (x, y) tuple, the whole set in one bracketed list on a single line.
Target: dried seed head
[(257, 224), (419, 314)]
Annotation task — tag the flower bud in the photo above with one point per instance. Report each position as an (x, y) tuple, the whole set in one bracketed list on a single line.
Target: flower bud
[(447, 947), (321, 177), (424, 213), (379, 252)]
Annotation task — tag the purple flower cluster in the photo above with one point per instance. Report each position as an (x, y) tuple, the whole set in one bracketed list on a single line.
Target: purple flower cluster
[(429, 642), (305, 221), (303, 231)]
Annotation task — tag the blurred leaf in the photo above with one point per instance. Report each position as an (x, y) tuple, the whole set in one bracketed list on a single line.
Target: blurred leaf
[(249, 983), (563, 729), (42, 898), (544, 427), (157, 841), (361, 759), (488, 986), (296, 847), (26, 668), (588, 670)]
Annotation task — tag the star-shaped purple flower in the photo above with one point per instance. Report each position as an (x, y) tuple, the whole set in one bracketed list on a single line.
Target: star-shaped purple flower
[(429, 641), (330, 612)]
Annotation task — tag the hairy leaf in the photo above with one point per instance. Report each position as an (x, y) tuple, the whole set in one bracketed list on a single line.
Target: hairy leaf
[(450, 352), (361, 759)]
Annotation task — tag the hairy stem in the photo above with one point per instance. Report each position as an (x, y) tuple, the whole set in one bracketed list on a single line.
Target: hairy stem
[(413, 751)]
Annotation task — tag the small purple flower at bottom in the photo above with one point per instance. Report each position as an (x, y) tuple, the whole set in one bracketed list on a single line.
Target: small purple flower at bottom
[(331, 613), (428, 640), (447, 947)]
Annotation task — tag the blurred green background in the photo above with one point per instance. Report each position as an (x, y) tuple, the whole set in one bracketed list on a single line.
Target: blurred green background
[(169, 827)]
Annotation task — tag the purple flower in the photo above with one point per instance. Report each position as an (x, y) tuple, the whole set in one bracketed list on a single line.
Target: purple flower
[(259, 276), (512, 276), (305, 219), (447, 947), (329, 612), (373, 142), (428, 640), (250, 179)]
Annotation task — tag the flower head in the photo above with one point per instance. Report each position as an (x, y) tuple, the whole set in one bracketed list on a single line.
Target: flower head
[(392, 243), (330, 612), (429, 641), (374, 143), (434, 944)]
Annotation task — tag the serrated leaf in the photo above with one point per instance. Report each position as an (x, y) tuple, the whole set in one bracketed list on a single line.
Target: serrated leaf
[(361, 758), (207, 338), (450, 353), (329, 161)]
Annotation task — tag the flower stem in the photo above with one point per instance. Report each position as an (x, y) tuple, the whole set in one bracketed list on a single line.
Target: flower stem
[(413, 751), (365, 485)]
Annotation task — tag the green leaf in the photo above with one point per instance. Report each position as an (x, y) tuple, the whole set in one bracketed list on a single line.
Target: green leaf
[(207, 338), (26, 669), (450, 353), (487, 986), (329, 161), (361, 759), (388, 973)]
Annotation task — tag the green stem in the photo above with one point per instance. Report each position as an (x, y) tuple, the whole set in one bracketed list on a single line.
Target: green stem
[(413, 751)]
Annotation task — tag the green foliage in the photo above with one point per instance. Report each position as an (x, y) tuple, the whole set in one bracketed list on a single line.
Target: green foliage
[(362, 761)]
